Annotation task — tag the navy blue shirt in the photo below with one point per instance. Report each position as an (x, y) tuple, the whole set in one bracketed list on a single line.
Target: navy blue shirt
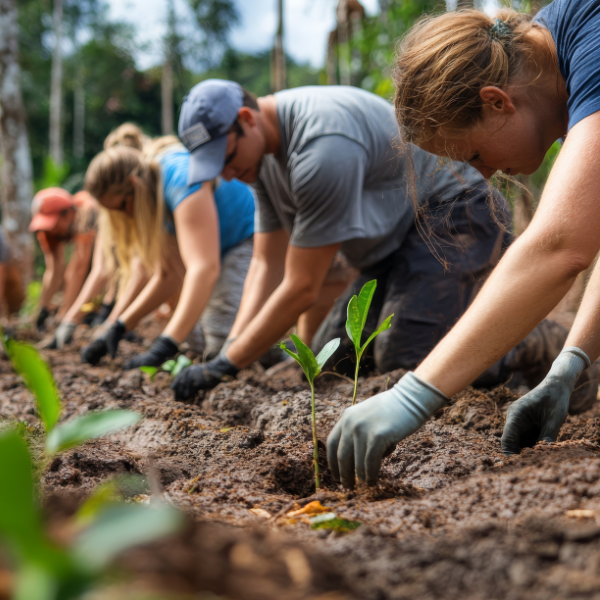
[(575, 28), (234, 199)]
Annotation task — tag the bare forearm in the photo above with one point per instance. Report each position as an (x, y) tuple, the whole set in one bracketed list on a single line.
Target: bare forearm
[(74, 280), (260, 283), (135, 285), (585, 333), (50, 284), (272, 322), (198, 285), (521, 291), (93, 285)]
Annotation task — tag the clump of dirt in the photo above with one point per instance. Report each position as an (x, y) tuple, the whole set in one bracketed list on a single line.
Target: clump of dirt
[(451, 517)]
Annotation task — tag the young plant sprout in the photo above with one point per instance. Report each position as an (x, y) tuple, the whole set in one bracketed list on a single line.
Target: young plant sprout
[(312, 366), (358, 309), (171, 366), (37, 375)]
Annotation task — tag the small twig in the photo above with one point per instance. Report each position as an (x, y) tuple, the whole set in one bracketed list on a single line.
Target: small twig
[(336, 375)]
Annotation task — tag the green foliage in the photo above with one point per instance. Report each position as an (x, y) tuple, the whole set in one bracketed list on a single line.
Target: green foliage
[(176, 366), (91, 426), (46, 572), (32, 298), (312, 366), (38, 378), (358, 310), (53, 175), (334, 523), (151, 371)]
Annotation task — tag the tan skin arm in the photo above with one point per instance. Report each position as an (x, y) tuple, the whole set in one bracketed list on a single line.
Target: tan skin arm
[(536, 272), (136, 283), (75, 274), (93, 285), (196, 223), (54, 273), (305, 271)]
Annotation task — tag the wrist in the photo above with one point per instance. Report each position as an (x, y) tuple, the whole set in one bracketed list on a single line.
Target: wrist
[(569, 365), (418, 396)]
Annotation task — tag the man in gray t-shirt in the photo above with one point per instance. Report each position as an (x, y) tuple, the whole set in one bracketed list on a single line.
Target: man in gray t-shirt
[(331, 176)]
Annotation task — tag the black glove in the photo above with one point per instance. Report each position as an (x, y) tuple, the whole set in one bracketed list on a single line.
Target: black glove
[(162, 348), (114, 336), (101, 314), (93, 352), (203, 377), (41, 319), (539, 415)]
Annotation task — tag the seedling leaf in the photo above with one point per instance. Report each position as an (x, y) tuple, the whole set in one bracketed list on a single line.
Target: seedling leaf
[(353, 321), (38, 377), (332, 522), (151, 371), (91, 426), (168, 366), (328, 349), (385, 325), (305, 357), (364, 302), (182, 362), (123, 526)]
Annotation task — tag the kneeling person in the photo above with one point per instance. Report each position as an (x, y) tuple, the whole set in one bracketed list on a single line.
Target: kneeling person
[(328, 176)]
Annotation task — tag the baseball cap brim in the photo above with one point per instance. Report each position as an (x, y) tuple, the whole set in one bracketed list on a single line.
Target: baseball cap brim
[(207, 161), (41, 222)]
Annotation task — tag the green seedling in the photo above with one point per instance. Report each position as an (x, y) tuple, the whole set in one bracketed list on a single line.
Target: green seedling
[(334, 523), (312, 366), (151, 371), (176, 366), (48, 572), (38, 378), (358, 309)]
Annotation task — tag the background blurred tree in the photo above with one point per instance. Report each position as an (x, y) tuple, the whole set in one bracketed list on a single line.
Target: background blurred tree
[(16, 189)]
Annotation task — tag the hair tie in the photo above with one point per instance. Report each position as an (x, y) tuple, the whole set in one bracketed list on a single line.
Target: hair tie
[(499, 29)]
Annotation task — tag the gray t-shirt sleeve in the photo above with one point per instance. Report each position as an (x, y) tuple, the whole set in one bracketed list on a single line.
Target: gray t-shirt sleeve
[(327, 179), (265, 217)]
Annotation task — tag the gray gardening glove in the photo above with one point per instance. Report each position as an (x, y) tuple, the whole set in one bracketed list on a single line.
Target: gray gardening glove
[(539, 415), (64, 334), (370, 430)]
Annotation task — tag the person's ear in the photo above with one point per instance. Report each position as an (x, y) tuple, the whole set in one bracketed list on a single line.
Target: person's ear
[(246, 115), (496, 101)]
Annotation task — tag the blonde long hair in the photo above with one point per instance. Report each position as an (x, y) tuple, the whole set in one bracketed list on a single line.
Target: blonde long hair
[(124, 170), (126, 134), (443, 62)]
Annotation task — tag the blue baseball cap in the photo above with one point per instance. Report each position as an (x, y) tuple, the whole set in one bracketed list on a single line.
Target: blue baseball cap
[(207, 113)]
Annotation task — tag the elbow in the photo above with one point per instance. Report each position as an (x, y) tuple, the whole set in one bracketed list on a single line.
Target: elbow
[(207, 274)]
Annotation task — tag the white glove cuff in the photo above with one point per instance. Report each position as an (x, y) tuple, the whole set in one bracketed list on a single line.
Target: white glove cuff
[(578, 352)]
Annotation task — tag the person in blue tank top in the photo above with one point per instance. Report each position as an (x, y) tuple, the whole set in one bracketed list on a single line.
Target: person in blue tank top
[(497, 92), (196, 240)]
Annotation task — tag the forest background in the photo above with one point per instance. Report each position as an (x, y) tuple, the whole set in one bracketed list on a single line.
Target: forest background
[(69, 111)]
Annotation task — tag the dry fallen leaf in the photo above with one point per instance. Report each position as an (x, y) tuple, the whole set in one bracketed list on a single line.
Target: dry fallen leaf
[(312, 508), (261, 512), (581, 513)]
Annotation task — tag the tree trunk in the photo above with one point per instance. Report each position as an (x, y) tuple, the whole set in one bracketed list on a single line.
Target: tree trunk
[(78, 121), (278, 81), (56, 150), (166, 87), (343, 42), (17, 189)]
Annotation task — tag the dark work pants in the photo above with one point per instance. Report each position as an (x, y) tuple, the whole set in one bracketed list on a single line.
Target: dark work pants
[(427, 283)]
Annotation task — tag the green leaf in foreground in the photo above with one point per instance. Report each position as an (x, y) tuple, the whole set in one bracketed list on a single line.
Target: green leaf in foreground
[(123, 526), (38, 377), (182, 362), (91, 426), (168, 366), (334, 523), (151, 371)]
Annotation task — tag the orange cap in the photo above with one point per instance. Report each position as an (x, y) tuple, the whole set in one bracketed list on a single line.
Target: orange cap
[(47, 206)]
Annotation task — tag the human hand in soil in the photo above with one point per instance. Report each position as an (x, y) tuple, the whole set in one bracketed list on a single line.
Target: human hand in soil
[(43, 315), (162, 348), (203, 377), (539, 415), (369, 431), (107, 343), (64, 334)]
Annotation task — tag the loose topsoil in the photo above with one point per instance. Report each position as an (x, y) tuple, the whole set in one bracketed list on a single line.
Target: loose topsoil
[(451, 517)]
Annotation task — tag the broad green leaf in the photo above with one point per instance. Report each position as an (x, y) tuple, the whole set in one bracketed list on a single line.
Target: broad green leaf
[(38, 378), (328, 349), (333, 522), (91, 426), (182, 362), (358, 310), (104, 495), (364, 302), (385, 325), (168, 366), (307, 359), (151, 371), (123, 526), (34, 583)]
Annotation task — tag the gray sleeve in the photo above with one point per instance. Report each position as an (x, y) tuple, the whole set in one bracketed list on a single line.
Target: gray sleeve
[(265, 217), (327, 179), (4, 249)]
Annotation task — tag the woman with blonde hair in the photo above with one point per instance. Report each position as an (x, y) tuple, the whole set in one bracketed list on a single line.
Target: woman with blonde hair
[(496, 93), (198, 237)]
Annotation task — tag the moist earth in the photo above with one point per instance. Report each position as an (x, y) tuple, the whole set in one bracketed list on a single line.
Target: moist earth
[(451, 517)]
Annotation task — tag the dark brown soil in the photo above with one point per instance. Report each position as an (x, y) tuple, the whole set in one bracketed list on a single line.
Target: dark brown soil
[(450, 519)]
